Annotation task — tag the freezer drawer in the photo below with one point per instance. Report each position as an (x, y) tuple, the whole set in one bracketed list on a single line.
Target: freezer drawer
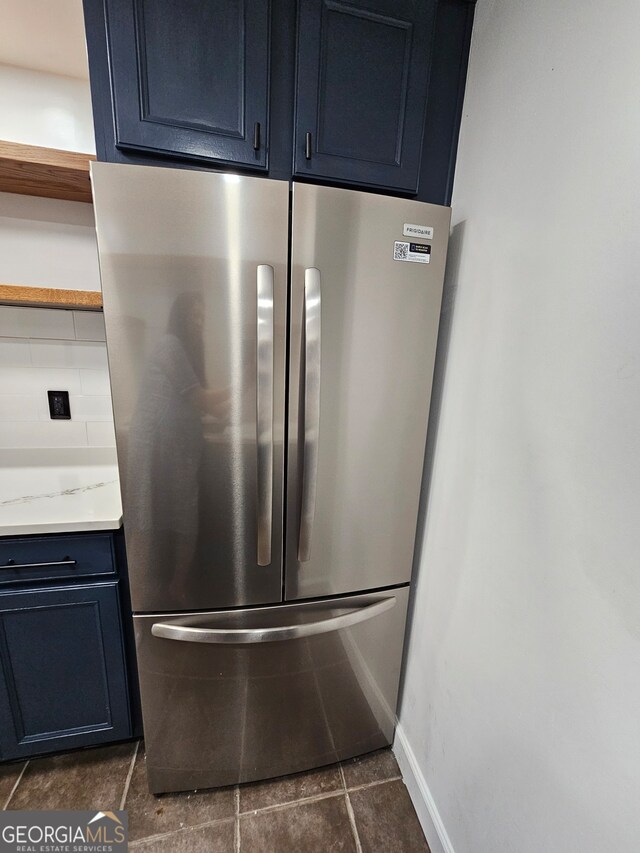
[(235, 696)]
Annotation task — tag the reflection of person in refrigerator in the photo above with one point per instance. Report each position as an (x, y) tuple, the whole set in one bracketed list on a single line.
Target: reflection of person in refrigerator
[(165, 449)]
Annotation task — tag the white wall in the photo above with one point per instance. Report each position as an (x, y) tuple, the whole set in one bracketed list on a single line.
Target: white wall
[(45, 109), (521, 704), (47, 243), (46, 349)]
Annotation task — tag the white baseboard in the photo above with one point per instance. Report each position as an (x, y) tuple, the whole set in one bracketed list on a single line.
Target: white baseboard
[(423, 802)]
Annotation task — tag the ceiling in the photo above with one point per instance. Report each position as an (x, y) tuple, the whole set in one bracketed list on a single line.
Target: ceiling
[(46, 35)]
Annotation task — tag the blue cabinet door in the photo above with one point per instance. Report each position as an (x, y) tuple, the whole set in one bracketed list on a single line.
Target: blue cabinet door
[(190, 77), (62, 678), (362, 81)]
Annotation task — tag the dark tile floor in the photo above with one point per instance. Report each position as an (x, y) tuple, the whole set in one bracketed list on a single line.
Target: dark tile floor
[(360, 805)]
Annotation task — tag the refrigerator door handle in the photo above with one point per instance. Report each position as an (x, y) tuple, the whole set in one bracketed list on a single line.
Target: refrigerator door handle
[(264, 410), (311, 409), (197, 634)]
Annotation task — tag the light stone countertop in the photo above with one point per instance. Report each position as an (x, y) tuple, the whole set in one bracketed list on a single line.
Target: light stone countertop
[(61, 490)]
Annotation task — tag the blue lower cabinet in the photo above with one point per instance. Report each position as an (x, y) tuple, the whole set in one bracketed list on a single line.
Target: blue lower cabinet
[(63, 682), (55, 558)]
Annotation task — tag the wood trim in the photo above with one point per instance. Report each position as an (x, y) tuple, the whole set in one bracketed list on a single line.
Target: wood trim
[(48, 172), (50, 297)]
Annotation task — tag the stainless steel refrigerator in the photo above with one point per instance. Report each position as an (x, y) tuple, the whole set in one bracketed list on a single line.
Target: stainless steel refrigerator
[(271, 354)]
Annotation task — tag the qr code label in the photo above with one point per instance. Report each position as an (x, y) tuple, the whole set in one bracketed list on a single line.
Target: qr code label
[(400, 251), (415, 253)]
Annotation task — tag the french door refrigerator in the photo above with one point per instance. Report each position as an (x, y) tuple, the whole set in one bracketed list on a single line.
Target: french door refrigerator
[(271, 353)]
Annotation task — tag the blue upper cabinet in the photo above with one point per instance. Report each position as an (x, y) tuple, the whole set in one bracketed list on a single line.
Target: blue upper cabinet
[(191, 78), (361, 92)]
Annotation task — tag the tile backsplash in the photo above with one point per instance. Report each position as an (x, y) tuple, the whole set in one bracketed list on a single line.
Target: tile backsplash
[(44, 349)]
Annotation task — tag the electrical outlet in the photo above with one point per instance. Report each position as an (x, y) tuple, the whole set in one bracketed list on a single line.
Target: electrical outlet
[(59, 408)]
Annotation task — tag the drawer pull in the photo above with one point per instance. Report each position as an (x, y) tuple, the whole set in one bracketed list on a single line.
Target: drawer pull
[(66, 561), (295, 631)]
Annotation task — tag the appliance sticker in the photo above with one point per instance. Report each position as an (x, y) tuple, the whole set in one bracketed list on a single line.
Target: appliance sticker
[(417, 253), (417, 231)]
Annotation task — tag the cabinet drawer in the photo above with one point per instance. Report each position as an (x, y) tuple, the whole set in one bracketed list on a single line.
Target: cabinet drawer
[(44, 558)]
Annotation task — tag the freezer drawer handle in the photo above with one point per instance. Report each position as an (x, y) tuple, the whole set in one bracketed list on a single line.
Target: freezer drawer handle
[(311, 409), (192, 634), (264, 410)]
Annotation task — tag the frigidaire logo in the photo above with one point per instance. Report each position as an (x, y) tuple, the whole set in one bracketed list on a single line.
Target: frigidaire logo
[(63, 832), (425, 231)]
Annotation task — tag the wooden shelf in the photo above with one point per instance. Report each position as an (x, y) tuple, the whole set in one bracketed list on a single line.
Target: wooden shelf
[(50, 297), (48, 172)]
